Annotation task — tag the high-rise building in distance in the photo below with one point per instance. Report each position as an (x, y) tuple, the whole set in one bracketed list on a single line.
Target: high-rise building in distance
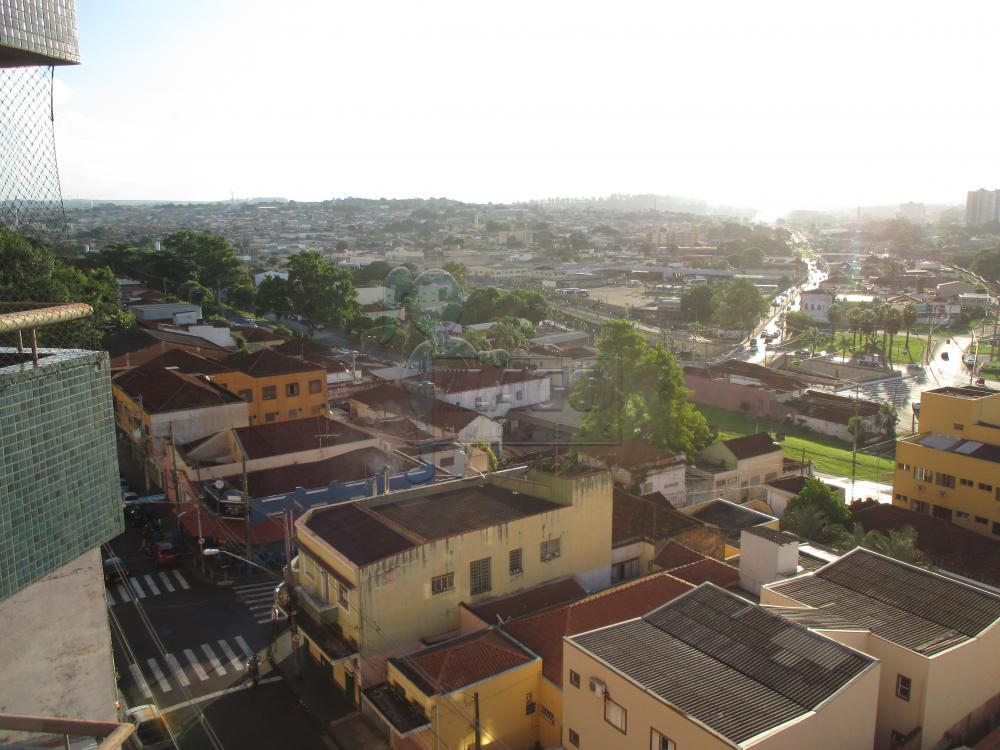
[(982, 206)]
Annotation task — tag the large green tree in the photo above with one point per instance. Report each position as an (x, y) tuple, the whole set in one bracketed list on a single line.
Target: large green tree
[(636, 391), (697, 304), (740, 304), (215, 259), (321, 291), (813, 510)]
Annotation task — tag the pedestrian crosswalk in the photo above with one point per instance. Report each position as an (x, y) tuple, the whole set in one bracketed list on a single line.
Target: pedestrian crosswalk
[(259, 599), (191, 666), (145, 586)]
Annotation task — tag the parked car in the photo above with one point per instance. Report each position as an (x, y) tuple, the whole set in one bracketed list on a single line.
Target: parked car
[(165, 553), (150, 729), (115, 570), (129, 497)]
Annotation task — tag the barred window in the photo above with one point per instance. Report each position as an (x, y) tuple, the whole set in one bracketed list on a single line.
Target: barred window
[(551, 549), (516, 561), (479, 576), (440, 584)]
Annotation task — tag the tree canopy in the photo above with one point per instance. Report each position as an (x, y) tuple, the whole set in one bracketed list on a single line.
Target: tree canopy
[(321, 291), (697, 304), (486, 304), (740, 304), (636, 391), (816, 512)]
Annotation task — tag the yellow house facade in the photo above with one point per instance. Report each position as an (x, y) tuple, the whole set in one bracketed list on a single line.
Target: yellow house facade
[(951, 468), (386, 571), (275, 386)]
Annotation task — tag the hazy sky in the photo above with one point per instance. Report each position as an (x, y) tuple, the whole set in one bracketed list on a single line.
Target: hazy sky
[(768, 104)]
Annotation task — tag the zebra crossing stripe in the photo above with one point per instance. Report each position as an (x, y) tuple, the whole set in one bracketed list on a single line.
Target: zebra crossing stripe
[(166, 582), (140, 680), (266, 606), (180, 579), (151, 584), (122, 593), (255, 587), (158, 675), (244, 645), (233, 661), (175, 667), (213, 660), (196, 665), (258, 597), (137, 588)]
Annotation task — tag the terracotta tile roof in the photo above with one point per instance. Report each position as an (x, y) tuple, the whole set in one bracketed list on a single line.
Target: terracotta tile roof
[(188, 362), (393, 399), (363, 463), (525, 602), (674, 555), (461, 661), (303, 347), (542, 633), (164, 390), (649, 517), (256, 334), (707, 569), (136, 339), (632, 454), (789, 484), (832, 408), (459, 380), (730, 516), (749, 446), (276, 438), (948, 546), (268, 362), (356, 533)]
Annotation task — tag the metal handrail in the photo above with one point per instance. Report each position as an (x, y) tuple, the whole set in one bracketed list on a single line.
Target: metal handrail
[(46, 315)]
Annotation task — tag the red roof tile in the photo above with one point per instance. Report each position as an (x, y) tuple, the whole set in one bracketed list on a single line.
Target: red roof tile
[(188, 362), (268, 362), (393, 399), (649, 517), (277, 438), (632, 454), (525, 602), (674, 555), (458, 380), (707, 569), (462, 661), (363, 463), (542, 633), (749, 446), (164, 390)]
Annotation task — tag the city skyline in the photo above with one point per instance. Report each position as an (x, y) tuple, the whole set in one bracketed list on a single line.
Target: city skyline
[(192, 103)]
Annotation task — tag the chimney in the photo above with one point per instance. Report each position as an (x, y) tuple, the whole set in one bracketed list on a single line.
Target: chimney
[(766, 555)]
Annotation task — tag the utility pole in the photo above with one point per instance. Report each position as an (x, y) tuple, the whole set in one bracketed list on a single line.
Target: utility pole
[(246, 511), (290, 589), (479, 733)]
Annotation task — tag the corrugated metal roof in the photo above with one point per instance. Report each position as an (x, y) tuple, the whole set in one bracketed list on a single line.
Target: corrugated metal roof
[(755, 669)]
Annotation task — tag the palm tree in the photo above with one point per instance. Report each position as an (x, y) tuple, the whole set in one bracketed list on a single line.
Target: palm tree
[(846, 540), (812, 337), (858, 428), (909, 316), (893, 322), (809, 522), (854, 315), (901, 544), (836, 315), (888, 417)]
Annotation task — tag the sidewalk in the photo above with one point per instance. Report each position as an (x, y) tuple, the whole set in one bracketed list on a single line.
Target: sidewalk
[(316, 691)]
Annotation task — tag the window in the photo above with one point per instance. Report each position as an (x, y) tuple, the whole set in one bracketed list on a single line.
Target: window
[(294, 413), (440, 584), (658, 741), (548, 715), (624, 570), (479, 576), (516, 561), (996, 528), (291, 389), (615, 715), (574, 678), (998, 494), (985, 487), (315, 386), (447, 461), (246, 395), (940, 512), (903, 467), (551, 549), (922, 475), (529, 704), (343, 597), (574, 738), (271, 416), (945, 480), (901, 497), (919, 505), (958, 426), (983, 521), (963, 515), (269, 392), (966, 482), (903, 687)]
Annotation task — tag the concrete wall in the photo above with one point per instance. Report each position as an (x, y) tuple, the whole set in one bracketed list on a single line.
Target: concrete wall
[(764, 561), (531, 392), (731, 396)]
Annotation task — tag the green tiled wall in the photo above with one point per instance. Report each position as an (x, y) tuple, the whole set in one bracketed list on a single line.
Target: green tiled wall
[(59, 493)]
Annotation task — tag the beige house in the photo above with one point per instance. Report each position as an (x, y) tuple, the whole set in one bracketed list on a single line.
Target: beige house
[(640, 468), (375, 576), (938, 641), (712, 670), (740, 466)]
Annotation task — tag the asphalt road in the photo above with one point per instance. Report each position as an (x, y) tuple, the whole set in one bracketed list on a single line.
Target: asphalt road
[(181, 643)]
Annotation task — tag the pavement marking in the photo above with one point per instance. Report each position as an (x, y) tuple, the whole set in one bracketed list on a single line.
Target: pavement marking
[(166, 582), (153, 588), (217, 694), (256, 586), (180, 579), (140, 680), (266, 606), (122, 593), (175, 667), (250, 599), (196, 665), (137, 588), (214, 660), (230, 655), (244, 645), (158, 674)]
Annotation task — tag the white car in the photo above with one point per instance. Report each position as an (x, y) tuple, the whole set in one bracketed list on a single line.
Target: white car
[(150, 729)]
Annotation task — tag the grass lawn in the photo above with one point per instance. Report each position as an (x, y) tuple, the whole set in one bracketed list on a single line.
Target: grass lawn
[(900, 357), (828, 454), (991, 370)]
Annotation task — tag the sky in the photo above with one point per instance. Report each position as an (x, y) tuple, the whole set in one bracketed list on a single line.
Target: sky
[(773, 105)]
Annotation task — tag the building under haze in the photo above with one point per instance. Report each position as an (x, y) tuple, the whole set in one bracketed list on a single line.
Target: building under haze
[(982, 206)]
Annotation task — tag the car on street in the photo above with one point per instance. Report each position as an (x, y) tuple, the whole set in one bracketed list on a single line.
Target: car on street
[(115, 570), (151, 731), (944, 356), (129, 497), (165, 553)]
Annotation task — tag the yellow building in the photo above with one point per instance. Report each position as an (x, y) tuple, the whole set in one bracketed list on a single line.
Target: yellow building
[(951, 467), (938, 641), (375, 576), (711, 670), (275, 386)]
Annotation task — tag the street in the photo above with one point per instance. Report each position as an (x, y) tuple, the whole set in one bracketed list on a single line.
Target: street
[(182, 643)]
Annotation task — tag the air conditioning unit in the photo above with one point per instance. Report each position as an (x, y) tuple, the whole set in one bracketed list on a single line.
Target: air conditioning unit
[(597, 687)]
